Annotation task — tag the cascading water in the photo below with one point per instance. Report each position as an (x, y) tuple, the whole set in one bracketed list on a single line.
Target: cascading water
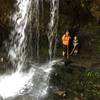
[(37, 27), (56, 26), (17, 51), (52, 34), (35, 81), (10, 85)]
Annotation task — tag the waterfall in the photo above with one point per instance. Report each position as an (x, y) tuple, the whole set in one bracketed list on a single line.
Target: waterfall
[(56, 27), (34, 82), (37, 27), (17, 52), (42, 4), (52, 34)]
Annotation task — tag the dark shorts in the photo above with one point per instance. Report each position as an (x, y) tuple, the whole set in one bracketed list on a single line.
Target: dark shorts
[(64, 48)]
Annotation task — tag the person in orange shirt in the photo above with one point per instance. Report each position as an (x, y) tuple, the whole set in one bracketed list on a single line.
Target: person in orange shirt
[(65, 41)]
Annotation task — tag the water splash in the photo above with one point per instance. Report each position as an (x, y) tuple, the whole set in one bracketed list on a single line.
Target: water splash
[(35, 82), (15, 84)]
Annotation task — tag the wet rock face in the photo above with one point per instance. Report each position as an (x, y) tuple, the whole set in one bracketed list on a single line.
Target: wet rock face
[(77, 10), (71, 13), (5, 11), (4, 34)]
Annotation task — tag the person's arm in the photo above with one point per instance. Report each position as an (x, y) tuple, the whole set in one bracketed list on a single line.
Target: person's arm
[(63, 37), (69, 37)]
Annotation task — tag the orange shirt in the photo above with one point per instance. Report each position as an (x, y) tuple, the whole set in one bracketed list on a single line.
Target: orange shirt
[(65, 39)]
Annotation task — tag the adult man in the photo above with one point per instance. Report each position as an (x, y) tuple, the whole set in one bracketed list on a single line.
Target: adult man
[(65, 41)]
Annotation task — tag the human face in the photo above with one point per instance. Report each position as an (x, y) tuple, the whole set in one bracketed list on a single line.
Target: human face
[(67, 33)]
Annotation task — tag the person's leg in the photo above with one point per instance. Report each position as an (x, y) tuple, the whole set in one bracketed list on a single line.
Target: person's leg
[(64, 50), (67, 52)]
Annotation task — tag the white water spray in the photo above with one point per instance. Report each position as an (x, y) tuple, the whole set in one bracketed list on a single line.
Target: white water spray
[(15, 84), (35, 82)]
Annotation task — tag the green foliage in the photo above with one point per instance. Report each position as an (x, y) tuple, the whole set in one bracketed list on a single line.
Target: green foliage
[(87, 86)]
